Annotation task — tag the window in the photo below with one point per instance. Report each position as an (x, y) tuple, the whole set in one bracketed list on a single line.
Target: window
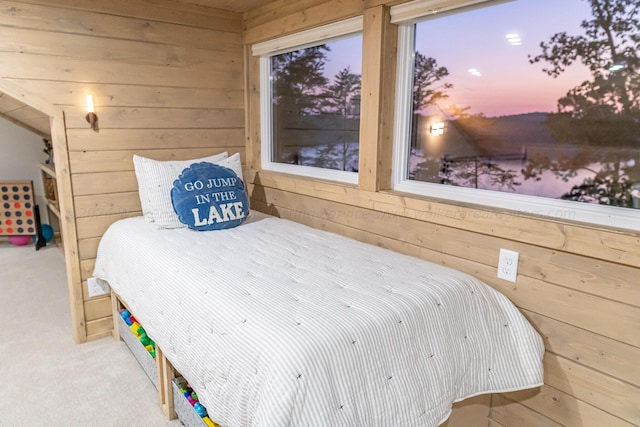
[(310, 98), (519, 105)]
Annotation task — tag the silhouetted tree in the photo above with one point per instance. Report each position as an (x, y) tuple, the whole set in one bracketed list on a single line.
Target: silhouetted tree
[(426, 74), (298, 79), (600, 116), (342, 97)]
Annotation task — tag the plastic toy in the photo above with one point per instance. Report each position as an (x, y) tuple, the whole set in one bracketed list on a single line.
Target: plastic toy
[(135, 327), (20, 240), (192, 398), (209, 423), (139, 332)]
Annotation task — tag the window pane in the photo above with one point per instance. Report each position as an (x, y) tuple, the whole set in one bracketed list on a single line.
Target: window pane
[(316, 105), (519, 97)]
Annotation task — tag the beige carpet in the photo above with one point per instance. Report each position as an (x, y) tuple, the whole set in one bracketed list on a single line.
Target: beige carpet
[(48, 379)]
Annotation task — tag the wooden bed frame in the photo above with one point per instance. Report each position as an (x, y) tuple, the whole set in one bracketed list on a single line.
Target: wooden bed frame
[(472, 412)]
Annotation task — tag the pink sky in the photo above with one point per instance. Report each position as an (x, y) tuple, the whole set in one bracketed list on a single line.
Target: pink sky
[(508, 84), (477, 39)]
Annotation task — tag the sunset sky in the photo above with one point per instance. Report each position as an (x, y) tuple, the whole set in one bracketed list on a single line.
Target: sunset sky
[(508, 83)]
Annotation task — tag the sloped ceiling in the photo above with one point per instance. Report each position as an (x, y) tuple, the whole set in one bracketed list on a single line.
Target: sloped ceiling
[(24, 116)]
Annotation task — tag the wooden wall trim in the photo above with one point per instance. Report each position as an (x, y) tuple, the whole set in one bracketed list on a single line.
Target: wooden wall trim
[(377, 105), (253, 135), (68, 226)]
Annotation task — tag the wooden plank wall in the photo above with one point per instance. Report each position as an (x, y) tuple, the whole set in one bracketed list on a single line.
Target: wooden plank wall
[(577, 284), (166, 79)]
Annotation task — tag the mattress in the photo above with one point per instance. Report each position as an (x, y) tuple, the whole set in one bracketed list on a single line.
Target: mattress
[(278, 324)]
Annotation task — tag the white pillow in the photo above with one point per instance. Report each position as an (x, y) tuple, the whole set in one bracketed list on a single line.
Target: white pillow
[(160, 192), (158, 174)]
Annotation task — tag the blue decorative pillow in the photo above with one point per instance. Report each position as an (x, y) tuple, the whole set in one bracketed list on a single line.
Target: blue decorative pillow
[(209, 197)]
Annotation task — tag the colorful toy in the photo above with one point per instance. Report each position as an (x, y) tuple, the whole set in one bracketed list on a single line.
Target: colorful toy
[(47, 232), (139, 332), (17, 214), (135, 327), (209, 423), (200, 409), (150, 345), (192, 398), (126, 316), (20, 240)]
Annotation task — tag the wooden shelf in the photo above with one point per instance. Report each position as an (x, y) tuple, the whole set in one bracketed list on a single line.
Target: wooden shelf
[(48, 169), (51, 197), (53, 207)]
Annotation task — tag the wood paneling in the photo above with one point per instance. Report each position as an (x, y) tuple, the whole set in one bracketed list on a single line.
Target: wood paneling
[(153, 118), (603, 354), (167, 82), (299, 15), (143, 10), (508, 413), (472, 412), (577, 284), (107, 204), (95, 183), (114, 95), (24, 116), (97, 308), (88, 248), (564, 408), (121, 161), (149, 139), (378, 83), (235, 5)]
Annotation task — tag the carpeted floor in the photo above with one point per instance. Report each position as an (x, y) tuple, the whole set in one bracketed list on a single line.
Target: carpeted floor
[(48, 379)]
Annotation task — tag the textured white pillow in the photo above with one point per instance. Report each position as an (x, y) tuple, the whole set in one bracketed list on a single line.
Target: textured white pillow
[(160, 195), (156, 174)]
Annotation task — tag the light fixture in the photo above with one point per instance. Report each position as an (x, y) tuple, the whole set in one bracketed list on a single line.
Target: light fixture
[(91, 116), (437, 128)]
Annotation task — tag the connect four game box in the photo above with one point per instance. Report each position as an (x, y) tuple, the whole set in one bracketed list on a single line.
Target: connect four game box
[(17, 209)]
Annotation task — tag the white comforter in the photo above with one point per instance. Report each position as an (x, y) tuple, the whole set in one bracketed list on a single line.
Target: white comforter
[(277, 324)]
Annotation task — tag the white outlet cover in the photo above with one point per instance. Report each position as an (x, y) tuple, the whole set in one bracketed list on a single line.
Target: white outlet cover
[(508, 265), (94, 287)]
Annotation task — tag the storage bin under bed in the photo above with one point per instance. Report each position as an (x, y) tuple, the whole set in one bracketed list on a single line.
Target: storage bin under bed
[(139, 352), (187, 415)]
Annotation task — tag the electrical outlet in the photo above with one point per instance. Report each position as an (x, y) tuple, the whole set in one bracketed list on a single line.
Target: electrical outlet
[(508, 265), (97, 287)]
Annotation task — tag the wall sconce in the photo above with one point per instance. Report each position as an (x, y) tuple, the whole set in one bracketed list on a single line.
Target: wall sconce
[(438, 128), (91, 116)]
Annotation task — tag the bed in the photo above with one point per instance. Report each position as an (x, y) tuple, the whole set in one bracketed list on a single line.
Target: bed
[(274, 323)]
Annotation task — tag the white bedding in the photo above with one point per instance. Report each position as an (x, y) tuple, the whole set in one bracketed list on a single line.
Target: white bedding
[(277, 324)]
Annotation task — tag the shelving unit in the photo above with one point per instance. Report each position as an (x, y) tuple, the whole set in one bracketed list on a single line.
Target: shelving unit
[(51, 195)]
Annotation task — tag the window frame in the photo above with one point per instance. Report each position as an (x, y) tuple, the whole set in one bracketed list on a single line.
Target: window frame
[(406, 16), (265, 50)]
